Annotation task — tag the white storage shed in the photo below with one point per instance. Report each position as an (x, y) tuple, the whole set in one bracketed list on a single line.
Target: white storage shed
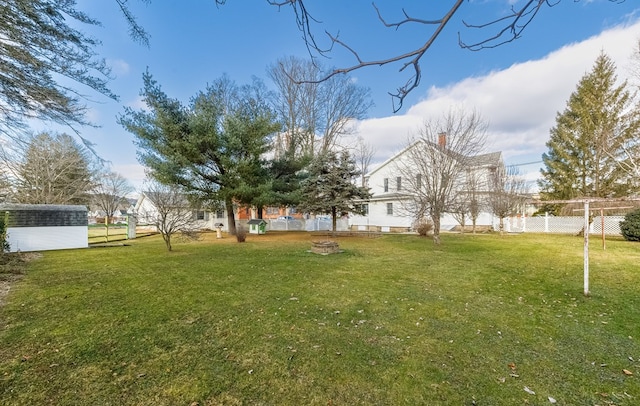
[(40, 227)]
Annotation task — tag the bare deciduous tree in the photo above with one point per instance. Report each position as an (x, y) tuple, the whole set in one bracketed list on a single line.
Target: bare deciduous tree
[(507, 194), (475, 185), (363, 153), (471, 199), (294, 103), (316, 113), (434, 165), (46, 169), (172, 213), (109, 194)]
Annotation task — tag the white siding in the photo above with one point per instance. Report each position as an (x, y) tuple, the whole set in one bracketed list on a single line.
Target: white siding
[(47, 238)]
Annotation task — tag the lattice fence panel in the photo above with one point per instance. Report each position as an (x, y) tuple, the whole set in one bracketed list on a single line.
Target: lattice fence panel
[(566, 225), (611, 225)]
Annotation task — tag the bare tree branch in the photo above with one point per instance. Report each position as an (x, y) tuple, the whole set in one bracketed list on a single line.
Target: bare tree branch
[(434, 166), (409, 59), (512, 26)]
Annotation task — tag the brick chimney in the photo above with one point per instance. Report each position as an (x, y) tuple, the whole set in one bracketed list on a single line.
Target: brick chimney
[(442, 140)]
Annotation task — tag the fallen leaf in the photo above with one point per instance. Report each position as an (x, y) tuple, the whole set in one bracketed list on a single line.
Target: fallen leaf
[(529, 391), (512, 365), (551, 400), (627, 372)]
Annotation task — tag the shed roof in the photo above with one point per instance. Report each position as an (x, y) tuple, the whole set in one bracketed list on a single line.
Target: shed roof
[(41, 207)]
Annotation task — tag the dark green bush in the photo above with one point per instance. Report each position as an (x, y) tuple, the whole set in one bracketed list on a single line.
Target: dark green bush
[(630, 226), (4, 244)]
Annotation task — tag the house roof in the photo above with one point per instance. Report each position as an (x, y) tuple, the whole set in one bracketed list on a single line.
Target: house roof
[(41, 207), (482, 160), (256, 221), (490, 159)]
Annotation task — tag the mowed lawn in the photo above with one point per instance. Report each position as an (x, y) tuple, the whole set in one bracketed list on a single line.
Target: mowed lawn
[(484, 320)]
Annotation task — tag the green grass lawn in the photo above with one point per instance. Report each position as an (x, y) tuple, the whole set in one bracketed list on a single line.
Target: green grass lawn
[(393, 320)]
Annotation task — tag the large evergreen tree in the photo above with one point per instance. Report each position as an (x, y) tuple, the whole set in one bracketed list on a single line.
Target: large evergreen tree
[(588, 144), (331, 186), (213, 147), (41, 43)]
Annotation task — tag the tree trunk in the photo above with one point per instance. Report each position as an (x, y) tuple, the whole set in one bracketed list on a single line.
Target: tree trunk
[(106, 226), (231, 217), (167, 241), (436, 229), (501, 225), (260, 212), (333, 219)]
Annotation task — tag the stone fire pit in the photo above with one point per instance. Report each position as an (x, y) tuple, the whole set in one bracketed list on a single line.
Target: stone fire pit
[(324, 247)]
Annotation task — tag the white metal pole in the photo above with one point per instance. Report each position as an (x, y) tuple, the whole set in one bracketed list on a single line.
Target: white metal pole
[(546, 221), (586, 248)]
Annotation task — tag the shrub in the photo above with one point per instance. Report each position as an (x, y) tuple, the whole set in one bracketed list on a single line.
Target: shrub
[(4, 244), (423, 227), (241, 234), (630, 226)]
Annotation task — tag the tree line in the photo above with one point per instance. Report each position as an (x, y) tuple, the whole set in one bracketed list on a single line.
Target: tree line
[(239, 144)]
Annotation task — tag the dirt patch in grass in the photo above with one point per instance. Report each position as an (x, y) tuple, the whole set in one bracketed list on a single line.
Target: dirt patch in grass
[(12, 269)]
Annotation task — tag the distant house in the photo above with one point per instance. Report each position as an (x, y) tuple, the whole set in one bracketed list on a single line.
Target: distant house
[(384, 209), (121, 215), (146, 211)]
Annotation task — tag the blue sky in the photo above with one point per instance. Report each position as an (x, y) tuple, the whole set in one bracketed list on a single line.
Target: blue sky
[(517, 87)]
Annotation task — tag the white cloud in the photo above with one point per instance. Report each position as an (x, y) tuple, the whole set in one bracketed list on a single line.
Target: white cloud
[(138, 104), (520, 103), (134, 174), (118, 67)]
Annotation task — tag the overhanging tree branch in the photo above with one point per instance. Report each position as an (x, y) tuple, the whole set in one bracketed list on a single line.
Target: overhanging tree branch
[(512, 25)]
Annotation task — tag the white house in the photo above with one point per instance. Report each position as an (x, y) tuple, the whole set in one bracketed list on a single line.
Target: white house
[(146, 212), (390, 194)]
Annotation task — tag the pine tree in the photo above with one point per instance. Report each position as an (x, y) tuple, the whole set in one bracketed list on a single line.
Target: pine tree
[(588, 144), (43, 41), (212, 147), (331, 188)]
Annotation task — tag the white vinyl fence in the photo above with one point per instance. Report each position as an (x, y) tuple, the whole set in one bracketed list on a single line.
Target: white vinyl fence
[(317, 224), (562, 224)]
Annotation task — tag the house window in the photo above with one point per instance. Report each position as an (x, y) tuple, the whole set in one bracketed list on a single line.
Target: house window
[(399, 183), (386, 184), (273, 210), (200, 215), (220, 214), (390, 209), (418, 181), (363, 209)]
